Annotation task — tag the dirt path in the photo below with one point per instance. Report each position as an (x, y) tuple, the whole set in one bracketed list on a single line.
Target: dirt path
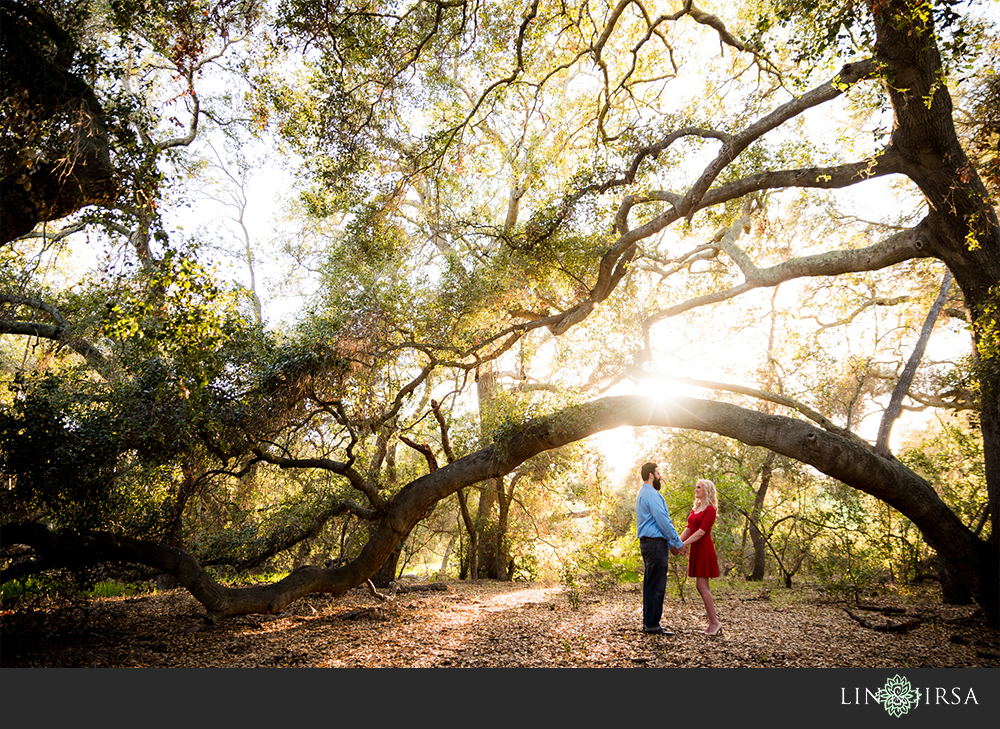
[(497, 625)]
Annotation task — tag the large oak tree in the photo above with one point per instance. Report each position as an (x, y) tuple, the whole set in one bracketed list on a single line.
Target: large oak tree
[(404, 111)]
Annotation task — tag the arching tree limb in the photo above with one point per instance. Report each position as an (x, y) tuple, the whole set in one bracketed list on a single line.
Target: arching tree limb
[(832, 454)]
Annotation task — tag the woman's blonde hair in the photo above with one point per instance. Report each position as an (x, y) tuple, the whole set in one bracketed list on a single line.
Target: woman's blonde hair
[(710, 494)]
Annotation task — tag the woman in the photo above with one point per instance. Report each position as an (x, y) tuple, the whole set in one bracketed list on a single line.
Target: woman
[(703, 564)]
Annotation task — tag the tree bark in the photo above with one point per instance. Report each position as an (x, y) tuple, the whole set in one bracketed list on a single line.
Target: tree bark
[(756, 536), (470, 567), (853, 463), (490, 515), (902, 387), (387, 572), (962, 225), (37, 57)]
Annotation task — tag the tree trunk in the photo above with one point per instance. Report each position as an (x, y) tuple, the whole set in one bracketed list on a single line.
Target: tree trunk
[(387, 572), (301, 555), (443, 569), (502, 565), (494, 551), (759, 543), (961, 228), (491, 521), (470, 566), (954, 589), (486, 529), (757, 566)]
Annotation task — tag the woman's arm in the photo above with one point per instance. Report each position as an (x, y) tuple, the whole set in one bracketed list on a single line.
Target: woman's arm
[(691, 539)]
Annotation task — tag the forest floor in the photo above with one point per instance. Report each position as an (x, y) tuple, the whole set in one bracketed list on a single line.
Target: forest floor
[(491, 624)]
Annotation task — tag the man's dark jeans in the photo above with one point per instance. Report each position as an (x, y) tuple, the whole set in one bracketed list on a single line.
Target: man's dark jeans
[(655, 557)]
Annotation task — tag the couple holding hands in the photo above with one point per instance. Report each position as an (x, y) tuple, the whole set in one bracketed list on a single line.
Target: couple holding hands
[(658, 540)]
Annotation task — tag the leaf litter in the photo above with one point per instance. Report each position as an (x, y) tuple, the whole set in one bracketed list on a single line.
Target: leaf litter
[(496, 624)]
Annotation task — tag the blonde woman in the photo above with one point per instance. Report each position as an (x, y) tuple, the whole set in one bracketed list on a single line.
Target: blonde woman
[(703, 564)]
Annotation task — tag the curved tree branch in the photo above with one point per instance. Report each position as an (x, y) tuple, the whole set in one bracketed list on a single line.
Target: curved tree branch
[(850, 74), (343, 469), (782, 400), (839, 457), (902, 246), (61, 331)]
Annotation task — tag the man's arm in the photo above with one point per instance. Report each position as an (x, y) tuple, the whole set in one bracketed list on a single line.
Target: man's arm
[(666, 525)]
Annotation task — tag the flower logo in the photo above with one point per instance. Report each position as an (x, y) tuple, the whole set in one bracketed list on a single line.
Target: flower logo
[(897, 696)]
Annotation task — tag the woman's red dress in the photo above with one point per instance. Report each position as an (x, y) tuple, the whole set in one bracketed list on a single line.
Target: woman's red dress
[(703, 562)]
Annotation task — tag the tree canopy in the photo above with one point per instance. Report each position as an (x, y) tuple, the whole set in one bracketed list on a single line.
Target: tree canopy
[(508, 212)]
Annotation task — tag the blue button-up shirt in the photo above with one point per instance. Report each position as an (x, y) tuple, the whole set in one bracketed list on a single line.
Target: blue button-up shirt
[(652, 518)]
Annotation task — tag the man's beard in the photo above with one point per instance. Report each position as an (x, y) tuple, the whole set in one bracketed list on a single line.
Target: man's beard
[(656, 483)]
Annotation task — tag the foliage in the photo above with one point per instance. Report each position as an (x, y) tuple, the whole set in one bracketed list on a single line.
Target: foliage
[(950, 455), (988, 331), (509, 210), (568, 580), (65, 455), (113, 588), (613, 560)]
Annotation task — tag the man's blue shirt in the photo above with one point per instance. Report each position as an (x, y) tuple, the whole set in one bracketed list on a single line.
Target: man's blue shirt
[(652, 518)]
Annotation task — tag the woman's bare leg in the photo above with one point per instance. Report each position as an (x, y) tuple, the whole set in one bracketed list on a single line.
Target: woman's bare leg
[(706, 597)]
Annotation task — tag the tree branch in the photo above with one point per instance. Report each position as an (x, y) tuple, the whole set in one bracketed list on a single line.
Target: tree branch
[(782, 400), (850, 74), (61, 331), (326, 464), (423, 449), (445, 440), (839, 457), (913, 243), (902, 387)]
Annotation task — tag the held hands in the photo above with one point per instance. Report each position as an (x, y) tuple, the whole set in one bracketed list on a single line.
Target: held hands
[(674, 551)]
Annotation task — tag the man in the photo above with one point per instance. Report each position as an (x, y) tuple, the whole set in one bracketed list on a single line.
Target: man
[(657, 541)]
